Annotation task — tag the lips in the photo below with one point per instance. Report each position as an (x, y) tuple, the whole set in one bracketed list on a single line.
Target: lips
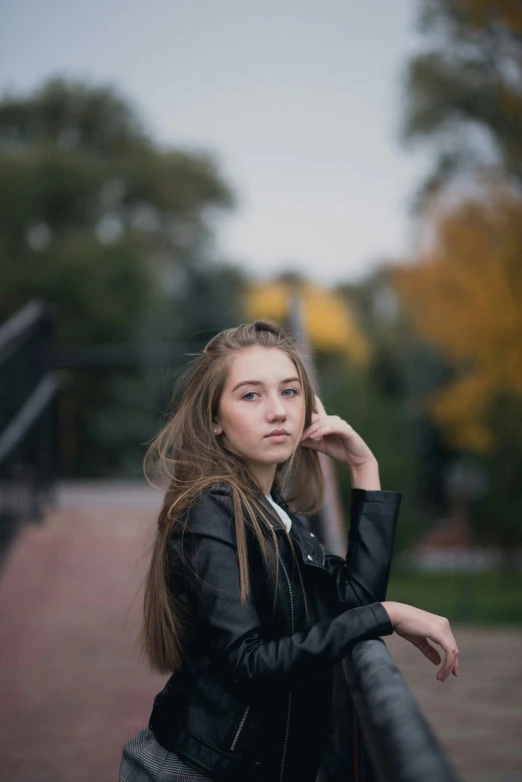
[(277, 431)]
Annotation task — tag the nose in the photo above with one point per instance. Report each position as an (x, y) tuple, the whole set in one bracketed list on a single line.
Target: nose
[(276, 408)]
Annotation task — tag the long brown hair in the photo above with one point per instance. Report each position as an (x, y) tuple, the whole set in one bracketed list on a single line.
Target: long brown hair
[(189, 455)]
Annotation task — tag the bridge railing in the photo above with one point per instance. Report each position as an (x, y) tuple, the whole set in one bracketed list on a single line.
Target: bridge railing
[(391, 739), (28, 389)]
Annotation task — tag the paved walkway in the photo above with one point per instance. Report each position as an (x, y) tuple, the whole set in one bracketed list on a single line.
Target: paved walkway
[(72, 686)]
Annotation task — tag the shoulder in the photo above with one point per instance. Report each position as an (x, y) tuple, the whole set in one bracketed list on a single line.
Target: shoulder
[(212, 514)]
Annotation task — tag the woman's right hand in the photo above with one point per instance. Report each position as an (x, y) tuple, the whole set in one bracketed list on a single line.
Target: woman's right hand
[(419, 628)]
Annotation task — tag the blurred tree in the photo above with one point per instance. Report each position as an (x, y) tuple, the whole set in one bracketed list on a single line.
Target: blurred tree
[(208, 299), (465, 93), (387, 425), (328, 320), (99, 220), (404, 368), (81, 182), (464, 297)]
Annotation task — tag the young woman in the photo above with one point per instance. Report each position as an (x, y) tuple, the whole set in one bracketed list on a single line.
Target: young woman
[(245, 610)]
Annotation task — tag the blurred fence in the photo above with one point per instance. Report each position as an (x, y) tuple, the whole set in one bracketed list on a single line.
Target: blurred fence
[(28, 389)]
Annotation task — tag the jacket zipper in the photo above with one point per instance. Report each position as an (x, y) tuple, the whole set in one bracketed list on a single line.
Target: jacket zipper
[(289, 694), (240, 728)]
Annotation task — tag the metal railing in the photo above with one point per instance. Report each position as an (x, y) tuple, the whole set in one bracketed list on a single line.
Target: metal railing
[(28, 388), (392, 740)]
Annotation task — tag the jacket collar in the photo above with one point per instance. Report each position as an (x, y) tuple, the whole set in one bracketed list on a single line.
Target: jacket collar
[(279, 499)]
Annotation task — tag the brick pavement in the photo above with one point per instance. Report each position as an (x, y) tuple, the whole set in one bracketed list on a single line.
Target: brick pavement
[(73, 688)]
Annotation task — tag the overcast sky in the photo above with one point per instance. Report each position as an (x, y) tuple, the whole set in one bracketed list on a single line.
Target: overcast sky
[(300, 101)]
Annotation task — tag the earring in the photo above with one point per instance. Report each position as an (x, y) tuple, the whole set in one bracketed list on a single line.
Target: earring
[(215, 430)]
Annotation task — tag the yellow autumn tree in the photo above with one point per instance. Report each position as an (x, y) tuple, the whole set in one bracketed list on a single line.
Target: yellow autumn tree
[(329, 323), (464, 295)]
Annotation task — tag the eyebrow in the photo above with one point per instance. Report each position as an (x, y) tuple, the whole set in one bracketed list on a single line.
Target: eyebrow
[(260, 382)]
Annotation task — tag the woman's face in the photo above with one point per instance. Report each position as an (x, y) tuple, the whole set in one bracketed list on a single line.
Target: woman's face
[(262, 394)]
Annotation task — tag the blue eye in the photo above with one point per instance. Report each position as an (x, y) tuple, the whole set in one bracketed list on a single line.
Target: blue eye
[(295, 392)]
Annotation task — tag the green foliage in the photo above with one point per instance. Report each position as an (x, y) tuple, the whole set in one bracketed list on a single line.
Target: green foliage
[(464, 98), (403, 370), (386, 425), (138, 401), (490, 597), (464, 94), (496, 515), (72, 114), (97, 290), (80, 182), (101, 222)]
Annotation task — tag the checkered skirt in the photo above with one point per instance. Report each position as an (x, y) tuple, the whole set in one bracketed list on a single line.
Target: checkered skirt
[(144, 760)]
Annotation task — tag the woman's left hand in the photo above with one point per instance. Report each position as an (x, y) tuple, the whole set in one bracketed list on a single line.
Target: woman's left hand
[(331, 435)]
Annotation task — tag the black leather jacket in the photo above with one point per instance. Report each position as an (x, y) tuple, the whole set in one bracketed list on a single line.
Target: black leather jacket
[(252, 698)]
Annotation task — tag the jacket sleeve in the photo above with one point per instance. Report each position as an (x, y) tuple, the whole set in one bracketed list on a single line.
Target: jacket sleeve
[(234, 632), (362, 578)]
